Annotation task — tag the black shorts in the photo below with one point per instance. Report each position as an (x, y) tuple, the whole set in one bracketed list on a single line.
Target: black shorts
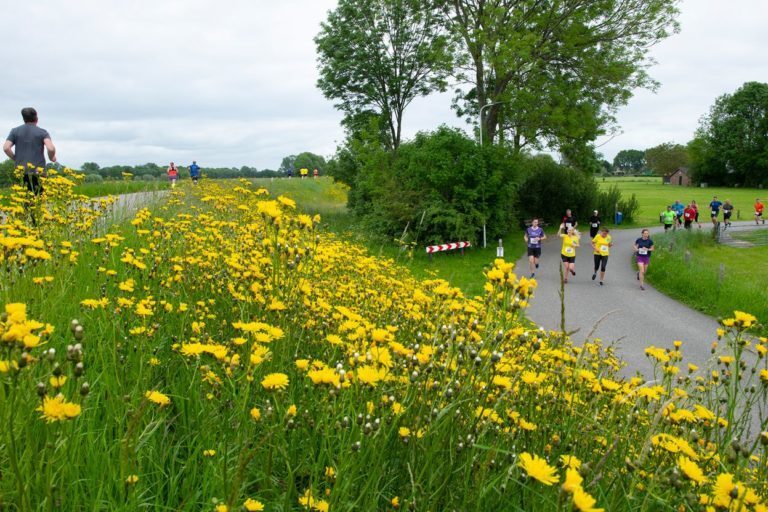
[(32, 181), (568, 259), (600, 262), (535, 252), (688, 223), (667, 227), (727, 215)]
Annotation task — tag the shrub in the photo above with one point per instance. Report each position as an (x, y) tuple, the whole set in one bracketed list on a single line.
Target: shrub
[(549, 189), (93, 178), (442, 184), (608, 201)]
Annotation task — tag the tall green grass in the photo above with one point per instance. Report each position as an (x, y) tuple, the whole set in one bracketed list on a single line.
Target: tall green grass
[(692, 268)]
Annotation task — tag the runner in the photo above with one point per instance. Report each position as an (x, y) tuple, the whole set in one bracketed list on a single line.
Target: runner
[(668, 218), (727, 212), (194, 172), (594, 224), (601, 244), (568, 251), (679, 210), (173, 174), (759, 211), (643, 248), (689, 214), (569, 221), (714, 206), (696, 207), (533, 237)]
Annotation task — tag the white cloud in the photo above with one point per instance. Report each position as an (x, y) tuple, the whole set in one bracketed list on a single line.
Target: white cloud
[(232, 82)]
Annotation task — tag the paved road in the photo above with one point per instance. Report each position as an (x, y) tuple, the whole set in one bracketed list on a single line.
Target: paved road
[(634, 319)]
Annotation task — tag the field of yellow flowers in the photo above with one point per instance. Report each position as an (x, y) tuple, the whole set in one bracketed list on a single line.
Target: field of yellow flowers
[(221, 352)]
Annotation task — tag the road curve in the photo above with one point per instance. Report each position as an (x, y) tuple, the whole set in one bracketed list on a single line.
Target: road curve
[(632, 318)]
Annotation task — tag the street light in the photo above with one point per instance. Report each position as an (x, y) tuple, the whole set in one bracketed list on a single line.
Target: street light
[(481, 116)]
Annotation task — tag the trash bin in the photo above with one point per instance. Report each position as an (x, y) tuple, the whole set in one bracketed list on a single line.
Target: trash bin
[(619, 218)]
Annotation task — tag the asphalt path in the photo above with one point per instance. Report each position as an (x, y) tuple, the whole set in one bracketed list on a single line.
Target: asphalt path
[(618, 312)]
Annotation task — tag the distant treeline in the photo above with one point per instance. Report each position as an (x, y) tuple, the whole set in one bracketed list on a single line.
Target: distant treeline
[(152, 171), (148, 172)]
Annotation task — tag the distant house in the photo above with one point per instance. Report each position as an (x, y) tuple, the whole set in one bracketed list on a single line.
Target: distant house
[(679, 177)]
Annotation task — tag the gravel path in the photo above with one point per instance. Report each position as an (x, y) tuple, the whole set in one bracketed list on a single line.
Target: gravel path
[(632, 318)]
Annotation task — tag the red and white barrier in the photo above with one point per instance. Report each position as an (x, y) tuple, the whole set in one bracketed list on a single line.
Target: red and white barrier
[(447, 247)]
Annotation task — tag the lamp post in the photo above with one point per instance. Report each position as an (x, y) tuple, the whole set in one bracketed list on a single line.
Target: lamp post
[(480, 117)]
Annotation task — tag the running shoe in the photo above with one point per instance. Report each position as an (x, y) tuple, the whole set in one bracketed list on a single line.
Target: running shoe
[(638, 276), (533, 274), (537, 265), (594, 276), (573, 272), (642, 287), (601, 283)]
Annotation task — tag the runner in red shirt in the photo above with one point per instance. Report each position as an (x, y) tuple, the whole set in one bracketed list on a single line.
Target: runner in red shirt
[(759, 211), (689, 215), (173, 174)]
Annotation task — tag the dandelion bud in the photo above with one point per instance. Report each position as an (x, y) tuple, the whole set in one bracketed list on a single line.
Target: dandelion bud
[(356, 446), (495, 357), (40, 389), (764, 438), (85, 389), (78, 332), (51, 354), (459, 447), (359, 419), (3, 317), (79, 369), (74, 324), (345, 422), (368, 428), (23, 360)]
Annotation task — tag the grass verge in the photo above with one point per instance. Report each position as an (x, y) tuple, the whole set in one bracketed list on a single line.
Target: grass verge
[(715, 279)]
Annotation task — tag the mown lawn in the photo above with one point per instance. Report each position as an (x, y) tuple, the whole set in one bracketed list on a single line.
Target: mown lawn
[(700, 282), (654, 197)]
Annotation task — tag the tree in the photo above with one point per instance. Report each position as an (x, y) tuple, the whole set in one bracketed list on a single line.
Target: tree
[(90, 168), (287, 164), (309, 161), (554, 72), (666, 158), (629, 160), (731, 144), (380, 55)]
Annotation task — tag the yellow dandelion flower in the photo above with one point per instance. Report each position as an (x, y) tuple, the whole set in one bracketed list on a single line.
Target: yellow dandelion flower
[(158, 398), (538, 469), (583, 502), (252, 505), (132, 479), (275, 381), (691, 470), (255, 414), (58, 409)]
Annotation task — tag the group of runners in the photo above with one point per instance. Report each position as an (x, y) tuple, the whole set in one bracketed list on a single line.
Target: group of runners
[(678, 215), (173, 173), (600, 241)]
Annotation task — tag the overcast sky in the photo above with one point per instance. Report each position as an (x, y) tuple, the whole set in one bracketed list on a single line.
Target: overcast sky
[(232, 82)]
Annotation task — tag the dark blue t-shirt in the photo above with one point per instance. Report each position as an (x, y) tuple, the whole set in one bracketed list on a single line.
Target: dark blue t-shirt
[(534, 237), (194, 170), (644, 244), (715, 207)]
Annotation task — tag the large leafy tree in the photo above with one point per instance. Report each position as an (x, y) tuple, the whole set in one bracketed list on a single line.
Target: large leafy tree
[(379, 55), (666, 158), (629, 160), (553, 72), (731, 145)]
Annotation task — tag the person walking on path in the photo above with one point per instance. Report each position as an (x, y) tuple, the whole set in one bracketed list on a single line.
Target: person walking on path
[(569, 221), (696, 208), (533, 237), (194, 172), (668, 218), (727, 212), (594, 224), (29, 142), (759, 211), (643, 248), (601, 246), (568, 251), (173, 174), (714, 207), (689, 214)]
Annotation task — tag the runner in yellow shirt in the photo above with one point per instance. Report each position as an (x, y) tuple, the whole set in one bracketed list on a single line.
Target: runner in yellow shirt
[(602, 248), (568, 252)]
